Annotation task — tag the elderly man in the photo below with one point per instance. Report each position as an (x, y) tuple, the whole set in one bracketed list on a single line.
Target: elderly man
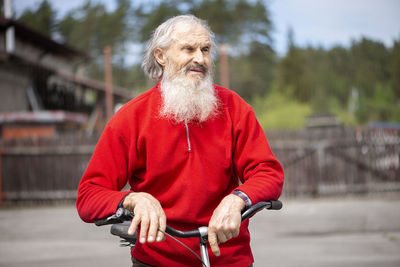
[(192, 152)]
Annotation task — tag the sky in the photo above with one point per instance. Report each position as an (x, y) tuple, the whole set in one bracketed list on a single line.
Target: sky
[(319, 23), (328, 23)]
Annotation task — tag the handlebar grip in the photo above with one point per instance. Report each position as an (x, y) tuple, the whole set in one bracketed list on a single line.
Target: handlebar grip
[(270, 205), (275, 205), (102, 222), (120, 216)]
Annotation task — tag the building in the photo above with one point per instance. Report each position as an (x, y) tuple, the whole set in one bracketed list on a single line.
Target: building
[(43, 89), (48, 112)]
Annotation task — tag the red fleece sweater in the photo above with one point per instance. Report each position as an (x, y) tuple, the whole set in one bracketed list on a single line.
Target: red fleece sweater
[(189, 170)]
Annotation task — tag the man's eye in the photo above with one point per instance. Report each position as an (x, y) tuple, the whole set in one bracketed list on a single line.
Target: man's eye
[(205, 49), (189, 48)]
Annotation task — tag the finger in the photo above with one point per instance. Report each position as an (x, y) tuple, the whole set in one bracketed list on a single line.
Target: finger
[(162, 225), (153, 228), (213, 241), (144, 226), (222, 238), (134, 224), (228, 235), (233, 230)]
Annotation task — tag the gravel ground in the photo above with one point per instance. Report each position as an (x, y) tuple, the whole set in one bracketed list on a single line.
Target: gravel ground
[(325, 233)]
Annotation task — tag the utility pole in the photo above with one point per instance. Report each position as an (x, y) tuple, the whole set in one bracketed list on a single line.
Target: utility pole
[(108, 81), (224, 65), (10, 32)]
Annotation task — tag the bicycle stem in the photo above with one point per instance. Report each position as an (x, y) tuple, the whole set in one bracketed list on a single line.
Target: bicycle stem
[(203, 246)]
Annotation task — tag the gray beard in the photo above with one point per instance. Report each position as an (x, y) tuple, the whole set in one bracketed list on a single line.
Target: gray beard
[(185, 100)]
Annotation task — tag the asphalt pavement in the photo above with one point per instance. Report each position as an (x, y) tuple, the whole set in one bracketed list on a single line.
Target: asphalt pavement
[(306, 232)]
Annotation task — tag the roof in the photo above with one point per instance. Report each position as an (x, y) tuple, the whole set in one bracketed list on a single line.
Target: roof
[(97, 85), (39, 39)]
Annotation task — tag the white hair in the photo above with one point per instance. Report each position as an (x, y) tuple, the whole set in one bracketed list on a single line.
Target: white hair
[(162, 38)]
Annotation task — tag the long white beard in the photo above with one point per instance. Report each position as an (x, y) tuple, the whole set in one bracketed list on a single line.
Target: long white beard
[(185, 100)]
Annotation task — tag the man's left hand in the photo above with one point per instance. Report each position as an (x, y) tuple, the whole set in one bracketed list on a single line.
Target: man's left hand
[(225, 221)]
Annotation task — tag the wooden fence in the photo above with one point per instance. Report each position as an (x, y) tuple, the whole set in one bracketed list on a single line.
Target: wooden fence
[(317, 162), (44, 169), (326, 161)]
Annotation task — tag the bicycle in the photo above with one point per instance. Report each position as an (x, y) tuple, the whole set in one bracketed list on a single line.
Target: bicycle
[(121, 221)]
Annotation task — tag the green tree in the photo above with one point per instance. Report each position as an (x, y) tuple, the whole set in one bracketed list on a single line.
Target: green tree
[(291, 77), (150, 15), (279, 111), (395, 68), (370, 62), (91, 27), (42, 19), (253, 73), (237, 21), (382, 106), (326, 78)]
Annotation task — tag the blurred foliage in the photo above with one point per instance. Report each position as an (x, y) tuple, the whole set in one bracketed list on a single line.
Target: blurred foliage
[(364, 77), (358, 84), (280, 111), (43, 18), (381, 106), (252, 73), (91, 27)]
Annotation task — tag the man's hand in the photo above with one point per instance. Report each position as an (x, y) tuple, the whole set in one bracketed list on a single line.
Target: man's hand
[(149, 214), (225, 221)]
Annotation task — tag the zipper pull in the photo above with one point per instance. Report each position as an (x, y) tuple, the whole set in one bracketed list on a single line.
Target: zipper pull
[(188, 137)]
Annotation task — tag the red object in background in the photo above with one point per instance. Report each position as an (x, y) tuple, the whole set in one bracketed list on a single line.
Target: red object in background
[(16, 132)]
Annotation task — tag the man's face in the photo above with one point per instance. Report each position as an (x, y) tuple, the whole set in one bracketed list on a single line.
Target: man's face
[(189, 53)]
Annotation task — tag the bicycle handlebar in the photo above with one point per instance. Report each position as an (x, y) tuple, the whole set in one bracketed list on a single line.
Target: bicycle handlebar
[(125, 215), (270, 205)]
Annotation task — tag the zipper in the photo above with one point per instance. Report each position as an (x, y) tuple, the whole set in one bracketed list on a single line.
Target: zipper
[(188, 137)]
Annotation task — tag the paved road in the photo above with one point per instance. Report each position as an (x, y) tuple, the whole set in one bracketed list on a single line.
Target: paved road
[(324, 233)]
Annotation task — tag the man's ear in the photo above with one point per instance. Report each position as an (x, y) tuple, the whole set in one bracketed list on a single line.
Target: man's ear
[(160, 56)]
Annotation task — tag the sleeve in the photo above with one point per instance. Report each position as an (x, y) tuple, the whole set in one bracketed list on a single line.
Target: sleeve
[(260, 172), (107, 173), (243, 196)]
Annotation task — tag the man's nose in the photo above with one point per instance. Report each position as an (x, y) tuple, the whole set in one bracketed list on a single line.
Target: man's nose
[(198, 57)]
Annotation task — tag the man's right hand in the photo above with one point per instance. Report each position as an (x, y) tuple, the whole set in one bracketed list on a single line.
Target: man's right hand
[(149, 214)]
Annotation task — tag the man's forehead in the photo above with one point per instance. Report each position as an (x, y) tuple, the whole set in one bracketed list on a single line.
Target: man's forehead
[(193, 42), (191, 34)]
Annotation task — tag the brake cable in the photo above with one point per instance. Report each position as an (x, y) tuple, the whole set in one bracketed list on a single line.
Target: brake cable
[(194, 253)]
